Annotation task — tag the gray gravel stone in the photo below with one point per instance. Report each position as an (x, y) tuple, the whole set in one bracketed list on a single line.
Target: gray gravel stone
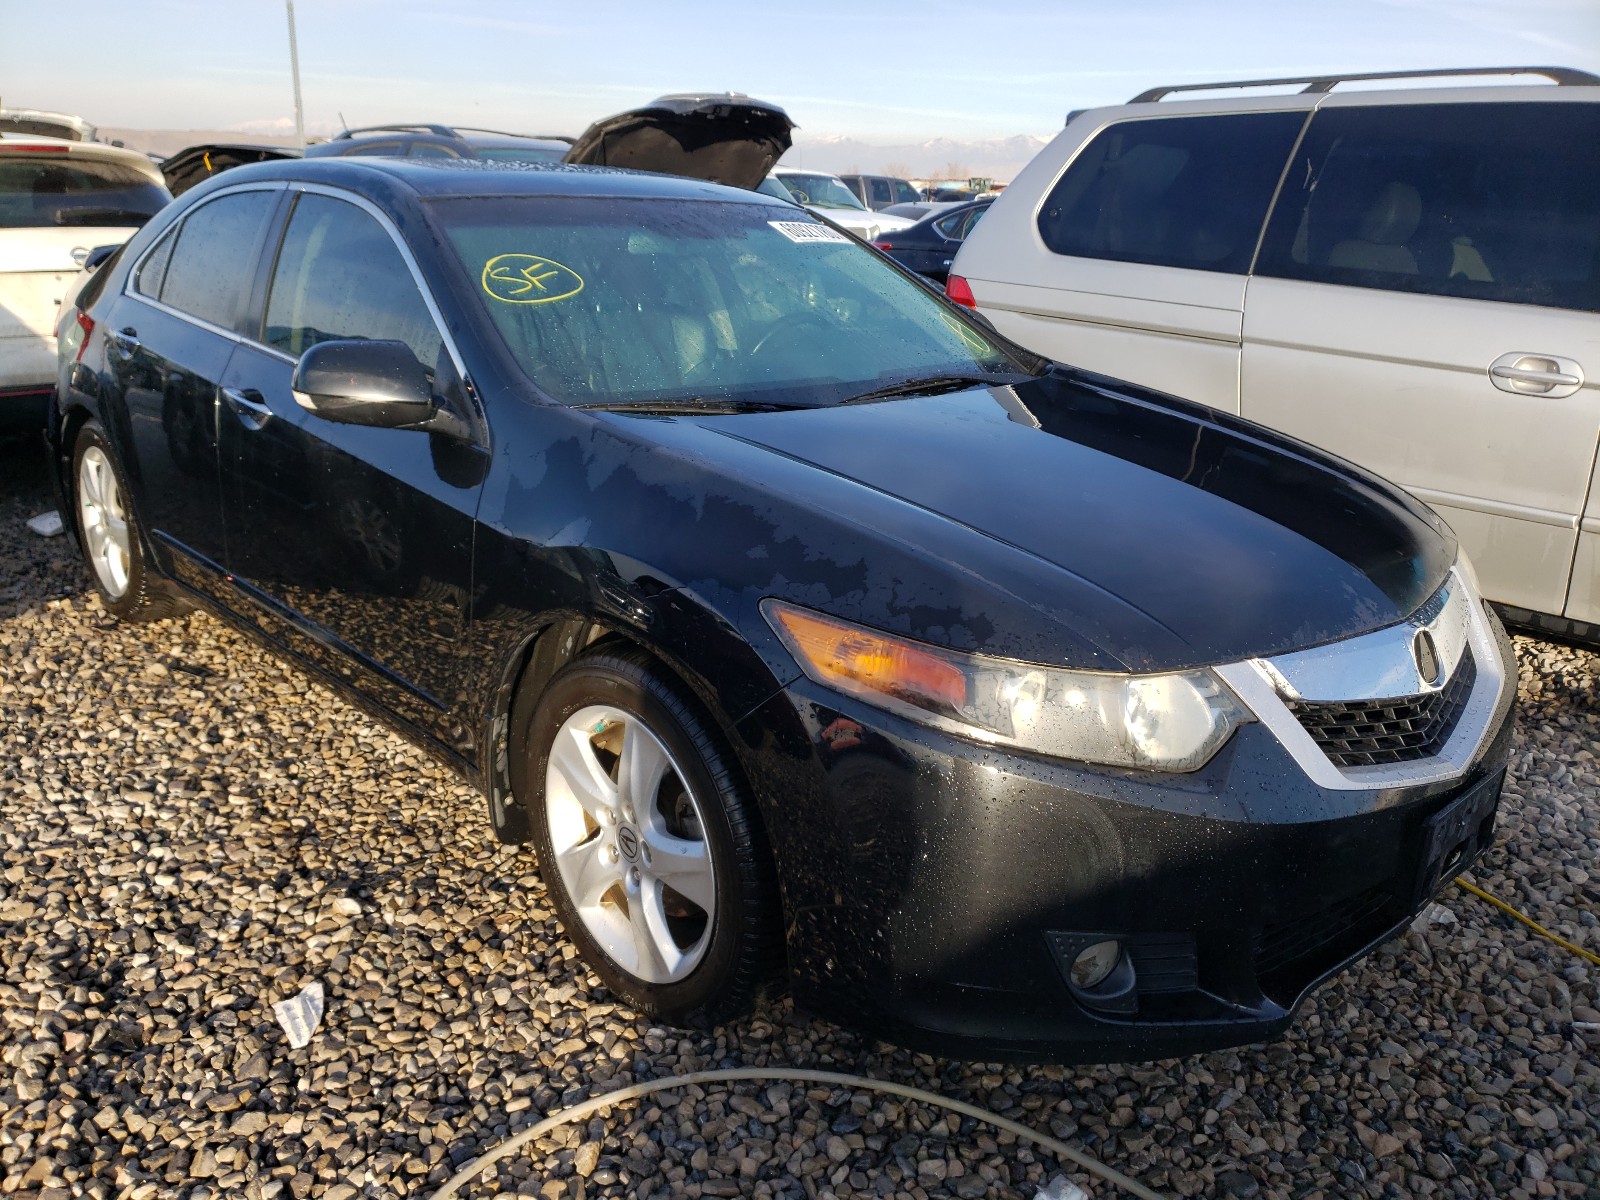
[(191, 830)]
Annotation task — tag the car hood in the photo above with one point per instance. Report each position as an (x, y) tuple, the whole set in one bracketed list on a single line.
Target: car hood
[(1157, 532), (196, 164), (727, 138)]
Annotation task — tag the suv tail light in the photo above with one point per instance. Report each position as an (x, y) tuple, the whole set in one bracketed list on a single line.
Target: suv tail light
[(959, 292)]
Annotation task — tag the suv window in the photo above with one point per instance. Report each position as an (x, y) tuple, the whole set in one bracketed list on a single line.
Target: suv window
[(880, 191), (904, 193), (1172, 191), (73, 191), (213, 257), (340, 275), (1486, 201)]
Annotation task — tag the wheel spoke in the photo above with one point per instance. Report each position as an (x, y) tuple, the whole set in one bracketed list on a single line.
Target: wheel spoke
[(573, 760), (658, 952), (588, 872), (644, 764), (682, 865), (117, 532)]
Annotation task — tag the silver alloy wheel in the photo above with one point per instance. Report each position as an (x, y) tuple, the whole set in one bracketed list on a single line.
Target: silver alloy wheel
[(104, 516), (629, 844)]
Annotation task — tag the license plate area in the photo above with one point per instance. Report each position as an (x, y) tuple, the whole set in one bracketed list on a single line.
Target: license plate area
[(1460, 831)]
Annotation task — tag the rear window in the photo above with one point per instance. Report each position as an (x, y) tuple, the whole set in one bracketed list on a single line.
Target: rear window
[(1172, 191), (41, 193)]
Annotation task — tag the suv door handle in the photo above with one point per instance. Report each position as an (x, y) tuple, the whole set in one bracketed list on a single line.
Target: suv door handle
[(1535, 374), (250, 406), (126, 340)]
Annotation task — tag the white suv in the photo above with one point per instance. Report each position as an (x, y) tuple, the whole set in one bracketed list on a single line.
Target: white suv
[(58, 201), (1408, 277)]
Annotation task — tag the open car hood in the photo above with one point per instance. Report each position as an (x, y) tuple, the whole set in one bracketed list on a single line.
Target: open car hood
[(199, 163), (727, 138)]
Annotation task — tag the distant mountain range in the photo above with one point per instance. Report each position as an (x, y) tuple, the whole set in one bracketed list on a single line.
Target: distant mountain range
[(939, 158)]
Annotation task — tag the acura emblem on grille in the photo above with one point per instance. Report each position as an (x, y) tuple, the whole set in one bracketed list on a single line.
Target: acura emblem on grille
[(1427, 656)]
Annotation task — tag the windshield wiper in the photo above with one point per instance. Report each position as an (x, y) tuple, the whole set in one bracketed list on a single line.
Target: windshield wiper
[(930, 385), (691, 407)]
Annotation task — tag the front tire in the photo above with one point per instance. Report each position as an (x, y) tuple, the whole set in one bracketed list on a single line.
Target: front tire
[(110, 534), (648, 841)]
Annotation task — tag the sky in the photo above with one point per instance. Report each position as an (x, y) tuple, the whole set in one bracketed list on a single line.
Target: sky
[(880, 72)]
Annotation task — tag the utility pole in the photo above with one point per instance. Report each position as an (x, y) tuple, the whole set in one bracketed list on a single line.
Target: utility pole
[(294, 70)]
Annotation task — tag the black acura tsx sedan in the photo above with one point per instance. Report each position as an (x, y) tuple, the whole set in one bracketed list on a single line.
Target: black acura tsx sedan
[(815, 636)]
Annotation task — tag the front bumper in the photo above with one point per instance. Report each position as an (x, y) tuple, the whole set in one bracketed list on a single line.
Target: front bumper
[(936, 891)]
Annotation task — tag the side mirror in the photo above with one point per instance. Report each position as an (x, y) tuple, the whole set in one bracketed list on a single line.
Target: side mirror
[(377, 383)]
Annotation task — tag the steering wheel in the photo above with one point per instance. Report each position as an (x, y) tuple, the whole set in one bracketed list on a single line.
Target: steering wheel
[(787, 330)]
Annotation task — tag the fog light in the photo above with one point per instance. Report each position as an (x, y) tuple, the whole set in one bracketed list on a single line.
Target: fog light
[(1093, 965)]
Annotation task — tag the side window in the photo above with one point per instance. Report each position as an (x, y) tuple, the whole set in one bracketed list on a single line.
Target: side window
[(1172, 191), (1484, 201), (957, 226), (376, 149), (880, 191), (340, 275), (153, 271), (904, 193), (214, 257)]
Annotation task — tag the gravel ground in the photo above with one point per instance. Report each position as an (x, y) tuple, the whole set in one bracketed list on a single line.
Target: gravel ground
[(191, 830)]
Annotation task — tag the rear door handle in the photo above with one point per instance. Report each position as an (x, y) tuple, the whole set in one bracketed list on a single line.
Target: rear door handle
[(250, 406), (126, 341), (1535, 374)]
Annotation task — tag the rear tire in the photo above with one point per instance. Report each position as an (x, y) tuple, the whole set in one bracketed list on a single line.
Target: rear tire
[(110, 534), (648, 840)]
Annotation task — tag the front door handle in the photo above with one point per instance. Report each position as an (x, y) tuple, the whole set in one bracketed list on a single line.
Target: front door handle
[(1535, 374), (250, 406)]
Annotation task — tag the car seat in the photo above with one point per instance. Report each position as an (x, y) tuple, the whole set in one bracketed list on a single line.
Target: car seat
[(1380, 242)]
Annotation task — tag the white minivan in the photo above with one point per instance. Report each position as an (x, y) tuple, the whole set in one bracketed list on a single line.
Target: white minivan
[(1408, 277), (59, 200)]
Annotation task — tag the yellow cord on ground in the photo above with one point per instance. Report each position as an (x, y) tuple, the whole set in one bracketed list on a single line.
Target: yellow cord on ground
[(1477, 891), (790, 1075)]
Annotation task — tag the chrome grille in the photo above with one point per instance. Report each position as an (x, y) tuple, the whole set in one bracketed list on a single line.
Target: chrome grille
[(1361, 733)]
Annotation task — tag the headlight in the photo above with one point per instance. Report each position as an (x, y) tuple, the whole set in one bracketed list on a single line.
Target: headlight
[(1157, 722)]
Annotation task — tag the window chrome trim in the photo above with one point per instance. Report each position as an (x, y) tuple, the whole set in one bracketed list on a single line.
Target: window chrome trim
[(130, 291), (1372, 666)]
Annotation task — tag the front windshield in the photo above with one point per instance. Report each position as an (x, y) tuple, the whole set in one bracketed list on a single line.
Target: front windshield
[(824, 191), (638, 301)]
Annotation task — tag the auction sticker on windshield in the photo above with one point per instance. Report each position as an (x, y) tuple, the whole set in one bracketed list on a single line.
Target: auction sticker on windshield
[(809, 231), (529, 279)]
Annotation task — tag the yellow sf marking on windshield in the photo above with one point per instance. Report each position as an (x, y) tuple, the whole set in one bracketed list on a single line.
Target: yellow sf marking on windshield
[(974, 340), (529, 279)]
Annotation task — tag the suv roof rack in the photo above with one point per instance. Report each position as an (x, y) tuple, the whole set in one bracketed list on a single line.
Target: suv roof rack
[(1568, 76)]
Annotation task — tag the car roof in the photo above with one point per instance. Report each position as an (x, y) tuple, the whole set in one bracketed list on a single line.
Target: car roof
[(429, 178)]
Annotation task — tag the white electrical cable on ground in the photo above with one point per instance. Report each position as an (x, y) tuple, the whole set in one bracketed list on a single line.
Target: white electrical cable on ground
[(780, 1075)]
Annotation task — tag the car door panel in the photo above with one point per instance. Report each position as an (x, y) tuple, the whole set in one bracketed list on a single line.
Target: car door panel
[(169, 339), (1425, 305), (352, 543)]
